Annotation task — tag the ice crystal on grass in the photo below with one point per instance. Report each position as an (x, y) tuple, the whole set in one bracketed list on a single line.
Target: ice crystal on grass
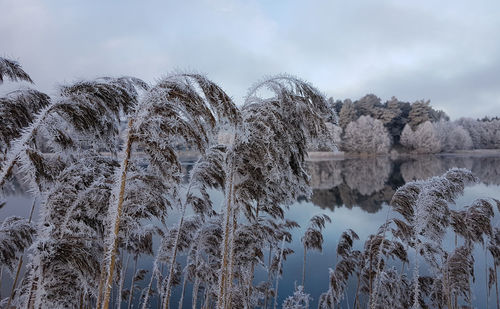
[(13, 71), (16, 235), (424, 206), (18, 109), (81, 116), (299, 300)]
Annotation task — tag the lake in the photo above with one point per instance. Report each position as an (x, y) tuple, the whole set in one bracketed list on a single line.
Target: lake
[(355, 193)]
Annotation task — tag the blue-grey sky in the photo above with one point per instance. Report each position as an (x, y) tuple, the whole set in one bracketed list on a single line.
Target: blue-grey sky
[(445, 51)]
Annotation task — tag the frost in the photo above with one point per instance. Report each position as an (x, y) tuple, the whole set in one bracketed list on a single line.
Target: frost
[(12, 70), (299, 300), (16, 234)]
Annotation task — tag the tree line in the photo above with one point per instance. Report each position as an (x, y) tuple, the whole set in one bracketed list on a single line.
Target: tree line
[(370, 126)]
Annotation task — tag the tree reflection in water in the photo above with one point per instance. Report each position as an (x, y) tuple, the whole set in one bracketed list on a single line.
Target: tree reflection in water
[(367, 176), (368, 183)]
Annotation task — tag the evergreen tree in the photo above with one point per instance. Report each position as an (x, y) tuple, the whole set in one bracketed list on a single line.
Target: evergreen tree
[(419, 113), (347, 114), (369, 105)]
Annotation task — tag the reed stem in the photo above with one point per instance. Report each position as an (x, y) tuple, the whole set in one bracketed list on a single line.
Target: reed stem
[(222, 276), (131, 294), (231, 261), (496, 284), (268, 275), (114, 245), (304, 268), (278, 273)]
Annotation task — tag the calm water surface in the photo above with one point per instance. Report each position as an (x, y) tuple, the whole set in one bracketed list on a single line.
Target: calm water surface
[(355, 194)]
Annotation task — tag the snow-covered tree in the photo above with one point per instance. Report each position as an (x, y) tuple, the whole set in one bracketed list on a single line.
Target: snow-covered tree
[(366, 135), (484, 133), (419, 113), (347, 114), (461, 137), (452, 136), (397, 112), (369, 105), (390, 112), (335, 133), (333, 136), (407, 137), (476, 131), (425, 139), (492, 128)]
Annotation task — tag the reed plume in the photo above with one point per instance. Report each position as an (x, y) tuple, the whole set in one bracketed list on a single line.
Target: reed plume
[(16, 235), (269, 172), (424, 206), (313, 238), (85, 114), (343, 270), (18, 109), (188, 106), (12, 70)]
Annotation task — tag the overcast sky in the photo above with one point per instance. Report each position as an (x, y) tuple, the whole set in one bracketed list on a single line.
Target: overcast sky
[(445, 51)]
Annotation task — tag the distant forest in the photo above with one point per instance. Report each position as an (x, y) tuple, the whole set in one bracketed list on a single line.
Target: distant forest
[(369, 126)]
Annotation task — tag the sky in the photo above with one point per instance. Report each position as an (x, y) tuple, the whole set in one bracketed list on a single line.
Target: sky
[(444, 51)]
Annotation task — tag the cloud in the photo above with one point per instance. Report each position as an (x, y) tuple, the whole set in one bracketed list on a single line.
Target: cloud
[(471, 91), (446, 51)]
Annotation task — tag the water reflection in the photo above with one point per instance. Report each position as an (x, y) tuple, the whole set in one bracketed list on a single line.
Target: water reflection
[(370, 182), (358, 182), (367, 176)]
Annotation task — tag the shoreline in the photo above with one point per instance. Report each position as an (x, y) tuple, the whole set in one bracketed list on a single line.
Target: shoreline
[(327, 155)]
